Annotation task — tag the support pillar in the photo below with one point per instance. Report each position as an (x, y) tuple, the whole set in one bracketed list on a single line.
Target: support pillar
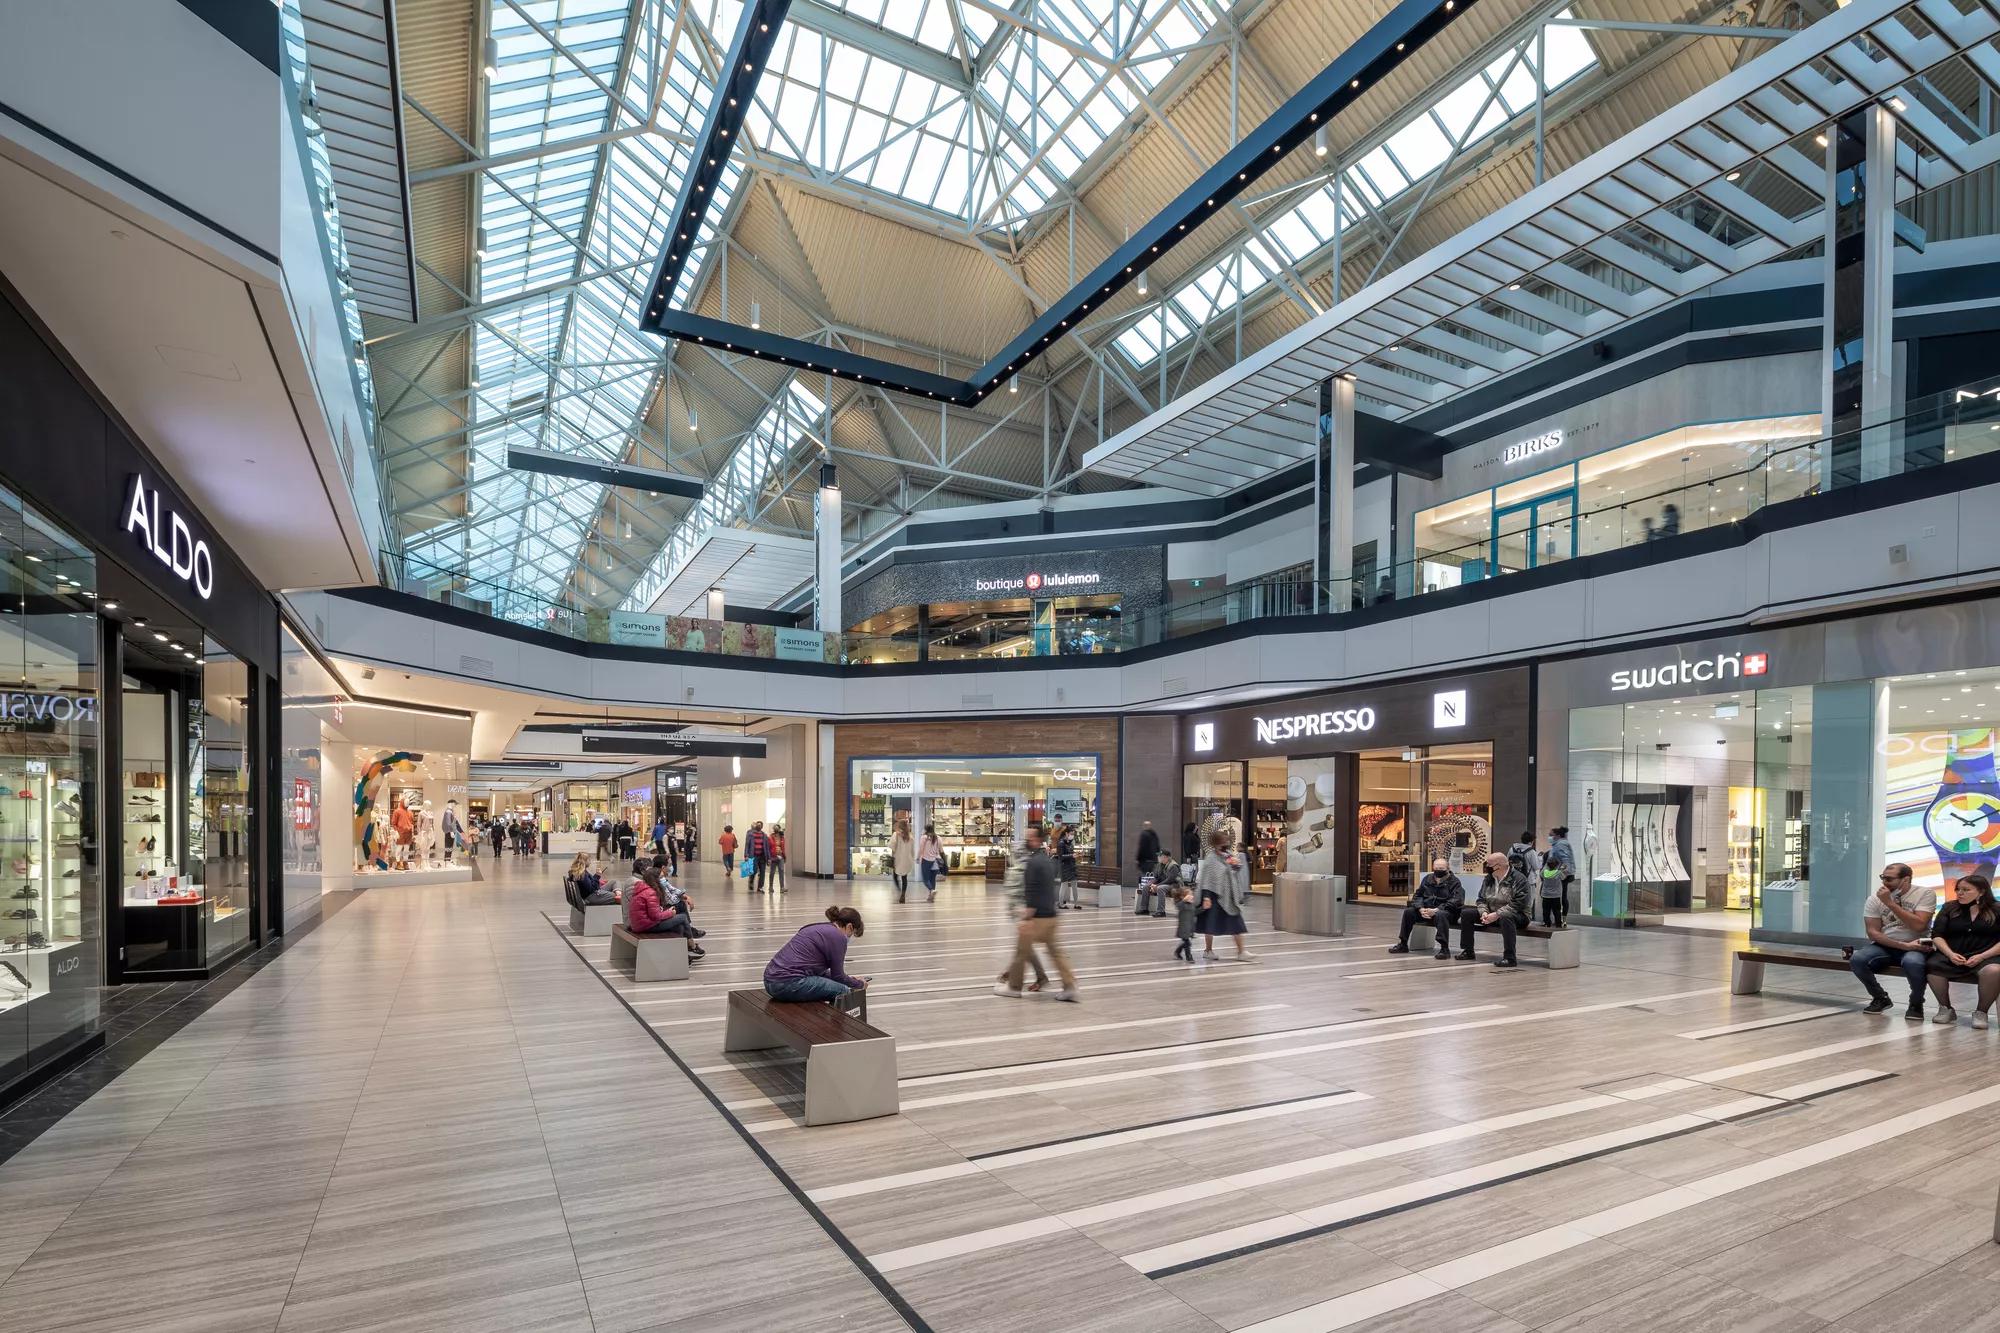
[(1858, 397), (1333, 496), (826, 554)]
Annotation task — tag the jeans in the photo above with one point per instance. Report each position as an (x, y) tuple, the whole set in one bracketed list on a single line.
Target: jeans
[(777, 874), (762, 868), (677, 924), (1468, 921), (1871, 958), (729, 863), (806, 990), (929, 871), (1038, 930)]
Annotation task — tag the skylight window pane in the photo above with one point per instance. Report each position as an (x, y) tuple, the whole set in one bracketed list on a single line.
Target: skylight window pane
[(1420, 147), (1568, 53)]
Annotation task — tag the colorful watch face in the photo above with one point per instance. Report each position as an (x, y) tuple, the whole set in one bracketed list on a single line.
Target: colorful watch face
[(1966, 823)]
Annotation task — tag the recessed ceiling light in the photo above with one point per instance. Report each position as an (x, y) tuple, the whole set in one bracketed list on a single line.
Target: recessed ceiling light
[(161, 637)]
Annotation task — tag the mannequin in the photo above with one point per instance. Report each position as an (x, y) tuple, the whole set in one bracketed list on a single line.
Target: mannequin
[(427, 833), (454, 832)]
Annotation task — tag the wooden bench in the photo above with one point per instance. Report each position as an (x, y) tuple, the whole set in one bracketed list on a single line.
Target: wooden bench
[(1746, 969), (850, 1066), (651, 957), (1106, 880), (1565, 945)]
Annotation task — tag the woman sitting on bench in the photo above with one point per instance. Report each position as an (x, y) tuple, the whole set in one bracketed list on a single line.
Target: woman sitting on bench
[(809, 967), (1965, 946), (651, 916)]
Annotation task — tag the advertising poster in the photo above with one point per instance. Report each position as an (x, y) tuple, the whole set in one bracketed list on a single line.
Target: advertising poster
[(799, 645), (691, 634), (1066, 805), (1942, 812), (1309, 815), (746, 640), (638, 630)]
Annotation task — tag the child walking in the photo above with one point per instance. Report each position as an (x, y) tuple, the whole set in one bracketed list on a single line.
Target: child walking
[(1184, 923)]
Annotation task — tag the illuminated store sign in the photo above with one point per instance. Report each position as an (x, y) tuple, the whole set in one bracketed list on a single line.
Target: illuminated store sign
[(168, 536), (1075, 775), (1332, 722), (893, 784), (1204, 736), (1035, 581), (1679, 671), (1525, 449)]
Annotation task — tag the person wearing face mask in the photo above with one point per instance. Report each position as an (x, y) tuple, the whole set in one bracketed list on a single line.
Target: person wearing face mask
[(1436, 903)]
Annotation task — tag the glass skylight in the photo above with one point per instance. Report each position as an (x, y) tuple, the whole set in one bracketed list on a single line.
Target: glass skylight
[(794, 418), (1494, 96)]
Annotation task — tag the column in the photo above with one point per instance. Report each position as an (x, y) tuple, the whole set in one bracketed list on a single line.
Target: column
[(1858, 400), (1333, 556), (826, 543)]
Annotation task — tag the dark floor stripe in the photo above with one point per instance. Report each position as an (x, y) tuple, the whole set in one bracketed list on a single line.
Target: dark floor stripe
[(1173, 1120), (1293, 1238), (847, 1247)]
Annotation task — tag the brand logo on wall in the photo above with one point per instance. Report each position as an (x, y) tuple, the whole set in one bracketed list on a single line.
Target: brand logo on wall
[(1036, 581), (893, 784), (1204, 736), (1448, 708), (1332, 722), (1075, 775), (1684, 671), (168, 536), (1524, 449)]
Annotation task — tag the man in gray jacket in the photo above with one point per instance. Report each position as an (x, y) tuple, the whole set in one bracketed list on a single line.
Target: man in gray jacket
[(1502, 906), (1038, 923)]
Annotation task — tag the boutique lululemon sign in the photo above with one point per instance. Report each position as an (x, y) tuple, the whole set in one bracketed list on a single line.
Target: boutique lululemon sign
[(168, 536)]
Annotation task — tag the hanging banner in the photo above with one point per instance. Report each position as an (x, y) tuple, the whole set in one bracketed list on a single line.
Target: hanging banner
[(636, 629), (800, 645)]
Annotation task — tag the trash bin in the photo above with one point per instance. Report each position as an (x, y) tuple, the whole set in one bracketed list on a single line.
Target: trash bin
[(1309, 904)]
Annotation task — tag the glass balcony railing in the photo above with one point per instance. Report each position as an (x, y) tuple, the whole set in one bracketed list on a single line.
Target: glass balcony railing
[(1952, 426)]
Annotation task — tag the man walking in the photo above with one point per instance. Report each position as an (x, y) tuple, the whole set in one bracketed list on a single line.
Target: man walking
[(1149, 860), (1897, 917), (1502, 906), (757, 847), (1038, 923)]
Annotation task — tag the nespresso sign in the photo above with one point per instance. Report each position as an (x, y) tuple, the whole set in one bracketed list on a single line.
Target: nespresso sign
[(168, 536), (1330, 722)]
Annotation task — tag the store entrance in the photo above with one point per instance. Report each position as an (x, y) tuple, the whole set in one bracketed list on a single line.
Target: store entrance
[(1416, 804), (1693, 811)]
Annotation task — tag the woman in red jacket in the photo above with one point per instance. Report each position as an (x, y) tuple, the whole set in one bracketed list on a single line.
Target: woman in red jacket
[(652, 917)]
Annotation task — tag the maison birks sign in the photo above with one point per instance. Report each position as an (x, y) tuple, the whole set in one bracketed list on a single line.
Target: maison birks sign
[(168, 536)]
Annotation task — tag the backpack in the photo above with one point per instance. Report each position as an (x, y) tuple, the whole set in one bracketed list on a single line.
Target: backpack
[(1525, 859)]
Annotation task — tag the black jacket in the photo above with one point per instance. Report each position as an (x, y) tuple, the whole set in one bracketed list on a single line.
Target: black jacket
[(1190, 843), (1436, 890), (1149, 846)]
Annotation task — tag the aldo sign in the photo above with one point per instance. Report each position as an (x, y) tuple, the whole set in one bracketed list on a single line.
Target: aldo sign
[(168, 536)]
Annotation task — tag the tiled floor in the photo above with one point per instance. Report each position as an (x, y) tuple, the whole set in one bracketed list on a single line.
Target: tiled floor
[(440, 1110)]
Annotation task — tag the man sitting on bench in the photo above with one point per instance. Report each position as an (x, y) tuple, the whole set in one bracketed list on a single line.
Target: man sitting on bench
[(808, 968), (1897, 917), (1502, 906), (1436, 903)]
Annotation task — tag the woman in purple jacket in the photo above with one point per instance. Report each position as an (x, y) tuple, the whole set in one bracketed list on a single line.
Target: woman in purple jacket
[(809, 967)]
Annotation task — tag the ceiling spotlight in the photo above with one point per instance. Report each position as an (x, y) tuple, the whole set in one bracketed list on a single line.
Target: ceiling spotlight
[(756, 315), (479, 244), (111, 606), (176, 645), (693, 422), (139, 622), (35, 559), (1897, 105), (1143, 287), (492, 57), (1820, 139), (1319, 142), (1734, 175), (1014, 384), (161, 637)]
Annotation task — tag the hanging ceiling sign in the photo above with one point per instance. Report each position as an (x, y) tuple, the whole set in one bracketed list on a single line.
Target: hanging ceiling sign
[(746, 747), (168, 536)]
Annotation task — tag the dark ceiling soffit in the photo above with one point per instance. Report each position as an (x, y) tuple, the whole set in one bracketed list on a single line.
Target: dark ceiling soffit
[(756, 34), (1397, 447), (1357, 69), (628, 475)]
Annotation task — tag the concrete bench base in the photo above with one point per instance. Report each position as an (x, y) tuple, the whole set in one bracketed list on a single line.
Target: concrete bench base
[(651, 957), (596, 921), (1108, 895), (850, 1067)]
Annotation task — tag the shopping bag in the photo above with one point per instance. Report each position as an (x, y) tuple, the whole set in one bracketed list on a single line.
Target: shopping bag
[(748, 868)]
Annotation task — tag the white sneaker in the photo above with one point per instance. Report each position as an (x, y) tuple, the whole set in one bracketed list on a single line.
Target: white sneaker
[(1067, 997), (1245, 956), (1979, 1019), (1003, 989), (1208, 955), (1945, 1015)]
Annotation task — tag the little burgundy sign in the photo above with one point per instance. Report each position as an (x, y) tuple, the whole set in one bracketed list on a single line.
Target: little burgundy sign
[(168, 536)]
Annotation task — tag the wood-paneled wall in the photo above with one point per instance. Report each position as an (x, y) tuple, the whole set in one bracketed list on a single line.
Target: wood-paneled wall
[(946, 739)]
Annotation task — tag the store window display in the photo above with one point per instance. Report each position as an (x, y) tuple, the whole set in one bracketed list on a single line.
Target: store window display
[(50, 740), (980, 808)]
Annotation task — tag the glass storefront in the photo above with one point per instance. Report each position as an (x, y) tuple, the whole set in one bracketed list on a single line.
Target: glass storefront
[(50, 793), (1011, 627), (1678, 481), (738, 806), (1417, 804), (980, 807)]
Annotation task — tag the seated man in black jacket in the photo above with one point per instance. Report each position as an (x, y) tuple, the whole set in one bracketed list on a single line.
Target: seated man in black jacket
[(1502, 906), (1435, 903)]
